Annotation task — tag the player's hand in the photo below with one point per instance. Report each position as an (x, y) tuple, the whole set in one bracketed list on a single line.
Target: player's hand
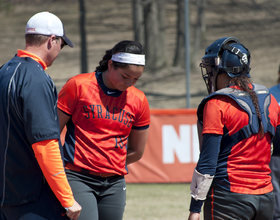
[(194, 216), (74, 211)]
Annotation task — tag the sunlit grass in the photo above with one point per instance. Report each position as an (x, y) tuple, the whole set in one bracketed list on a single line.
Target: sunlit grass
[(157, 201)]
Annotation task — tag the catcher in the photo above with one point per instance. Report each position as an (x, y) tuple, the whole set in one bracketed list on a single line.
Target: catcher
[(239, 120)]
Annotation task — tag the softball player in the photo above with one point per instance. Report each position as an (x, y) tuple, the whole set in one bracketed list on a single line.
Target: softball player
[(33, 184), (239, 120), (275, 159), (107, 121)]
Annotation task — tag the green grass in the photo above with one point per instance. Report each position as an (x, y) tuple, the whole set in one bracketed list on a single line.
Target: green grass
[(157, 201)]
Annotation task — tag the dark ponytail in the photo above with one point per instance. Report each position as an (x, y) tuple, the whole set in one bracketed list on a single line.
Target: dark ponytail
[(123, 46), (243, 83)]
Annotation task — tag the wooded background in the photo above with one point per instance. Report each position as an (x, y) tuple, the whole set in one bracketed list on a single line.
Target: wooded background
[(97, 25)]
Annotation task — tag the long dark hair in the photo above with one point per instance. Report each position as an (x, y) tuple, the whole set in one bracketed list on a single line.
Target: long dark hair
[(243, 83), (126, 46)]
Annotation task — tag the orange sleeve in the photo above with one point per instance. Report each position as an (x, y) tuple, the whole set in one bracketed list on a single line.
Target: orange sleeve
[(48, 156), (212, 118), (67, 97), (144, 114)]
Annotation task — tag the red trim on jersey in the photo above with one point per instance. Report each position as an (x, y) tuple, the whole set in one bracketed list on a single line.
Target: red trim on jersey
[(212, 204)]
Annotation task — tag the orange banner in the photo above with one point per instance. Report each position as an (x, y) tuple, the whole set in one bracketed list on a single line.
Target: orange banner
[(172, 148)]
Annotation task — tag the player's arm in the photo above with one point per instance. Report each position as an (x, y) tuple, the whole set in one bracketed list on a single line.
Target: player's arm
[(138, 136), (63, 119), (136, 145), (49, 158), (204, 172), (199, 133)]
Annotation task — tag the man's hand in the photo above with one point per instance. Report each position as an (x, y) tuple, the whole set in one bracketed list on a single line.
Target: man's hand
[(73, 212)]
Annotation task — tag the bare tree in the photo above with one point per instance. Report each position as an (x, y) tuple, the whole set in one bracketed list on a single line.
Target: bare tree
[(149, 30), (200, 28), (154, 33), (84, 65), (138, 21), (161, 49), (179, 58)]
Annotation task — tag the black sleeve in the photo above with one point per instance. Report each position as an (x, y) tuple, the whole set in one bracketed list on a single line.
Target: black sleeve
[(209, 154), (39, 98)]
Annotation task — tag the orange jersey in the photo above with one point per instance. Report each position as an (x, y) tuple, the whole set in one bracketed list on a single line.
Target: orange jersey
[(101, 121), (244, 167)]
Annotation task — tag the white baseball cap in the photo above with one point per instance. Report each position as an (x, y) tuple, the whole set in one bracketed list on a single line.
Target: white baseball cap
[(46, 23)]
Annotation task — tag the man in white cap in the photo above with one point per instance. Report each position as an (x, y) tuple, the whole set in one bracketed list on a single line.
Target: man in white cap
[(33, 183)]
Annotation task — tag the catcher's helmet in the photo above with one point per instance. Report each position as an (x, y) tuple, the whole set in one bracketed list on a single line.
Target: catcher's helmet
[(225, 55)]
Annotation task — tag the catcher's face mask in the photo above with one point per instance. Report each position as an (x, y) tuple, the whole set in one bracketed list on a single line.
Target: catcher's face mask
[(209, 70)]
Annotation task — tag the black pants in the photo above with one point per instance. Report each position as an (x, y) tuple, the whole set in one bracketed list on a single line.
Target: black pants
[(275, 179), (100, 198), (47, 207), (224, 205)]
